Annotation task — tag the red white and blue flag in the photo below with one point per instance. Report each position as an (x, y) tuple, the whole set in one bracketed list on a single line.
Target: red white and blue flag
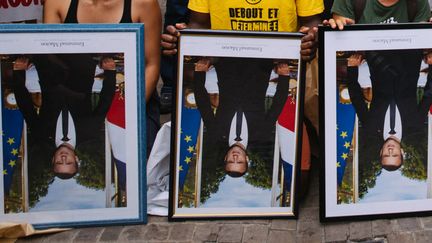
[(117, 135), (285, 128)]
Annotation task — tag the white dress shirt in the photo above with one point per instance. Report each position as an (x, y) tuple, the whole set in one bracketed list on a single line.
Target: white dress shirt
[(398, 125), (244, 131), (71, 131)]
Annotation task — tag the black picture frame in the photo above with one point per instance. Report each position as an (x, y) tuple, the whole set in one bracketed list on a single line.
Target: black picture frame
[(235, 48), (357, 182)]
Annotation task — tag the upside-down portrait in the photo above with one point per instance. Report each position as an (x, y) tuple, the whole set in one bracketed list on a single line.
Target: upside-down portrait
[(388, 140), (57, 115)]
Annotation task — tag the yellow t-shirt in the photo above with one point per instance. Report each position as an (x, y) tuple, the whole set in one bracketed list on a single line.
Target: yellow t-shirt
[(256, 15)]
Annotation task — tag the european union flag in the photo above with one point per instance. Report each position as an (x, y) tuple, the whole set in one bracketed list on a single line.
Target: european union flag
[(345, 119), (190, 124), (12, 121)]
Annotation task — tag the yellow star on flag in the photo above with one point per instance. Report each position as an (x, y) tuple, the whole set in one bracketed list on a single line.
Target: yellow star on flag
[(190, 149), (188, 160), (180, 168), (344, 156), (10, 141), (12, 163), (14, 151), (344, 134), (338, 164), (347, 144), (4, 172), (188, 139)]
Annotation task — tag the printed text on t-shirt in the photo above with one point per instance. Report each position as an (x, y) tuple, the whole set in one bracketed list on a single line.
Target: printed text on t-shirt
[(254, 19)]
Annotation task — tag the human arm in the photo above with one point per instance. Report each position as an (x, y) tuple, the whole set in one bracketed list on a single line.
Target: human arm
[(308, 17), (281, 94), (343, 14), (22, 95), (149, 13), (170, 37), (202, 98), (51, 11), (309, 42), (354, 89), (338, 22), (108, 87)]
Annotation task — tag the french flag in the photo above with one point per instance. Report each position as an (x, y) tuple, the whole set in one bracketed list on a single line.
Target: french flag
[(117, 136), (285, 128)]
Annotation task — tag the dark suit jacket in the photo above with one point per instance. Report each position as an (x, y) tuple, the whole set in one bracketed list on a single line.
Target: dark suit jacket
[(65, 79), (242, 83), (394, 74)]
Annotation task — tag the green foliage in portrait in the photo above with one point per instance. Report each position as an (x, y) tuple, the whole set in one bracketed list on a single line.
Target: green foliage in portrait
[(92, 169)]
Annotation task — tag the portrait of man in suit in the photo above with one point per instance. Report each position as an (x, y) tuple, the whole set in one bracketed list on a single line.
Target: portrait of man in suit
[(395, 113), (241, 118), (66, 116)]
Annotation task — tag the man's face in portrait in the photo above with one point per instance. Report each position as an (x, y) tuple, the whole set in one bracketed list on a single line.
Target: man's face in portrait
[(65, 161), (236, 161), (391, 154)]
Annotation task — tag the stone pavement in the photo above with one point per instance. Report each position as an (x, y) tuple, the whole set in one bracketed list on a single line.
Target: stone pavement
[(306, 229)]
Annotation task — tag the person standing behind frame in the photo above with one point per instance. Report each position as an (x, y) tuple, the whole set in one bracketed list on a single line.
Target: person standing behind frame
[(346, 12), (121, 11), (176, 12), (270, 15)]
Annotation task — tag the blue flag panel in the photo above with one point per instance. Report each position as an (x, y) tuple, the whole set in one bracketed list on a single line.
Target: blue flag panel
[(190, 124), (344, 130), (12, 121)]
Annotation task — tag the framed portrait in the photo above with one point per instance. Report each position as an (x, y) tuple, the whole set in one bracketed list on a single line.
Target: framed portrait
[(376, 122), (237, 125), (72, 123)]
